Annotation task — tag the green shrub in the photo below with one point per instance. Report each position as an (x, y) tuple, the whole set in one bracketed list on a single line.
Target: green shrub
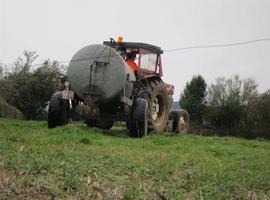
[(235, 108), (28, 89), (9, 111)]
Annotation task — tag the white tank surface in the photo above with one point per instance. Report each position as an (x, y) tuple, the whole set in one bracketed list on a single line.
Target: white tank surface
[(101, 72)]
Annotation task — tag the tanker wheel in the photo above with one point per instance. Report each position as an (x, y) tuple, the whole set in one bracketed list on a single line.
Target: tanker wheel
[(181, 122), (99, 123), (138, 123), (159, 108), (58, 111)]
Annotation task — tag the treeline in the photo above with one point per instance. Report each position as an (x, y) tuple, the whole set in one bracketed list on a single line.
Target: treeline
[(25, 89), (230, 106)]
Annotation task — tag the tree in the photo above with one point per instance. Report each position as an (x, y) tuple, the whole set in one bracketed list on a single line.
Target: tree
[(230, 102), (5, 85), (261, 115), (1, 71), (7, 110), (232, 91), (32, 89), (193, 98)]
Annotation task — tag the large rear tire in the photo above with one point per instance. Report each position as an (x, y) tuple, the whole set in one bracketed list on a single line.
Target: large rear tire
[(58, 111), (159, 105)]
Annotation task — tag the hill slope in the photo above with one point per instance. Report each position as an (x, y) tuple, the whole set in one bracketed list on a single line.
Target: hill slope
[(9, 111), (81, 163)]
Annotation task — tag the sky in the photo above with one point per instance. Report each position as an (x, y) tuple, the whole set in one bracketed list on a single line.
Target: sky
[(57, 29)]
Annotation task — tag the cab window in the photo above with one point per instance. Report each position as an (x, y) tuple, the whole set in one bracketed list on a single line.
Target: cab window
[(148, 60)]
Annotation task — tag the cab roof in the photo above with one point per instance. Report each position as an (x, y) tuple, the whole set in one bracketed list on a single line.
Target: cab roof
[(133, 45)]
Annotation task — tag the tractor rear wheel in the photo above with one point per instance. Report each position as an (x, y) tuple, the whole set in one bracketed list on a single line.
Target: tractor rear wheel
[(58, 111), (181, 121), (159, 106)]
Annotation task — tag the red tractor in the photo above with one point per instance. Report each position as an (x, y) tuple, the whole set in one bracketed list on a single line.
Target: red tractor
[(113, 90)]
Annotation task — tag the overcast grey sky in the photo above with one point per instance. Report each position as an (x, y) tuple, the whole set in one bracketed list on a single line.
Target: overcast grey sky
[(56, 29)]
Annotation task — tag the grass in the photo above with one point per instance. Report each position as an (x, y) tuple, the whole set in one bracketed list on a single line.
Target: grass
[(75, 162)]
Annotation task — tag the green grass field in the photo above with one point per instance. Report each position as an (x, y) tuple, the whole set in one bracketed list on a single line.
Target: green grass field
[(76, 162)]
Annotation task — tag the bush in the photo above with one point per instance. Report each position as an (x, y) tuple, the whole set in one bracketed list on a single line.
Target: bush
[(231, 104), (30, 90), (259, 116), (5, 88), (9, 111)]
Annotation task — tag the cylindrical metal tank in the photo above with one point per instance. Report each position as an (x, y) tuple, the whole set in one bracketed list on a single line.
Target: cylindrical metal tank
[(101, 72)]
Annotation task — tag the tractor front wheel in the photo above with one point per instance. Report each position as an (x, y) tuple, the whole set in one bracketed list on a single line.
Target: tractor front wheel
[(181, 121), (138, 122)]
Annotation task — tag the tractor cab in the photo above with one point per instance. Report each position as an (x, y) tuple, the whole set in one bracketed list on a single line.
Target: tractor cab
[(148, 57)]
